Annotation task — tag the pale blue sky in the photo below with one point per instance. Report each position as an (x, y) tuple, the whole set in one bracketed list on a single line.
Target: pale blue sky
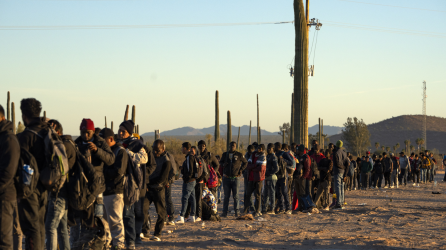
[(171, 74)]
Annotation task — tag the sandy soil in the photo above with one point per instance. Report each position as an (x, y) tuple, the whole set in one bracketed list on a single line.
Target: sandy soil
[(408, 217)]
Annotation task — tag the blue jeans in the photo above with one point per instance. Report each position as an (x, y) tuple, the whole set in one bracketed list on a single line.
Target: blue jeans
[(269, 193), (133, 220), (282, 192), (231, 185), (56, 224), (423, 172), (432, 173), (219, 188), (339, 189), (188, 196)]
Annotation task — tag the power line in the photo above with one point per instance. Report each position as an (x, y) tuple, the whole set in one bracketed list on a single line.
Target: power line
[(394, 6)]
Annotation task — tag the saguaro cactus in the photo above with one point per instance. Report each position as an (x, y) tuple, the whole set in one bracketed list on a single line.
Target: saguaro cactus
[(8, 115), (13, 117), (134, 114), (217, 118), (238, 139), (112, 125), (44, 115), (249, 139), (229, 131), (258, 126), (292, 119), (126, 114), (105, 121), (300, 75), (260, 135)]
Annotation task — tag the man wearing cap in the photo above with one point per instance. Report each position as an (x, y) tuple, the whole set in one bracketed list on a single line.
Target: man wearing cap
[(98, 153), (395, 172), (405, 168), (340, 164), (114, 191), (142, 157)]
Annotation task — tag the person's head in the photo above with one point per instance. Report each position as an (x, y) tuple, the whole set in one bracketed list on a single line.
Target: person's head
[(261, 148), (277, 146), (126, 129), (426, 152), (367, 153), (401, 153), (317, 149), (412, 155), (392, 155), (380, 157), (108, 136), (416, 157), (374, 156), (293, 147), (232, 146), (285, 147), (363, 158), (250, 149), (217, 157), (384, 154), (255, 144), (358, 160), (348, 154), (339, 144), (185, 147), (193, 150), (202, 146), (301, 149), (87, 129), (327, 153), (331, 146), (2, 113), (270, 148), (350, 157), (314, 143), (97, 131), (57, 126), (423, 156), (30, 108), (158, 147), (432, 154)]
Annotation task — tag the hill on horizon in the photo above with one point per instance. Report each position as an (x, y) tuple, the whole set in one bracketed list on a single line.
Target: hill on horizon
[(395, 130), (244, 130)]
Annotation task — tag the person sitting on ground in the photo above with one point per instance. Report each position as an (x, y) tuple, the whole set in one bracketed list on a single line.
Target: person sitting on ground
[(209, 205)]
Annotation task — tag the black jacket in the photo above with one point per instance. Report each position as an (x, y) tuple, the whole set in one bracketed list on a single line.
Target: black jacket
[(103, 156), (188, 172), (235, 166), (35, 145), (160, 177), (71, 155), (9, 160), (325, 169), (271, 165), (114, 174), (210, 159)]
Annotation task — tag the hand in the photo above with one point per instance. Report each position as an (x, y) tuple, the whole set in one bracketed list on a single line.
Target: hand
[(92, 147), (345, 179)]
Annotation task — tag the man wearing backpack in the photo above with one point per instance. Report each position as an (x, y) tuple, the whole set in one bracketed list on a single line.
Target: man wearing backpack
[(9, 160), (340, 163), (405, 168), (202, 174), (56, 224), (143, 160), (211, 162), (189, 181), (233, 163), (114, 191), (157, 182), (286, 163), (33, 208), (256, 174)]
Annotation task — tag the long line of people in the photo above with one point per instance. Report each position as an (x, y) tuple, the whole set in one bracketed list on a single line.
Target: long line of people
[(95, 192)]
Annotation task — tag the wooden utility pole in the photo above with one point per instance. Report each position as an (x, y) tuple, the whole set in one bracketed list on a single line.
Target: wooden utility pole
[(322, 131), (292, 120), (112, 125), (126, 114), (320, 135), (301, 73), (283, 136), (13, 118)]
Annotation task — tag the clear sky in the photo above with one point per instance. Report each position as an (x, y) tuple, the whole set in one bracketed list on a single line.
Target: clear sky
[(364, 66)]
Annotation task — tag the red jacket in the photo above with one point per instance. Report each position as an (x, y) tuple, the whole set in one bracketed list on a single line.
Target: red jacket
[(317, 157), (306, 162), (256, 167)]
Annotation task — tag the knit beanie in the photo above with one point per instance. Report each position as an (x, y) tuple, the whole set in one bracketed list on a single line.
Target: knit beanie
[(339, 144), (201, 142), (129, 126), (301, 148), (87, 124)]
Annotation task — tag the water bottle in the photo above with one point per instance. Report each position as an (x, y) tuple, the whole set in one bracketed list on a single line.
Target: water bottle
[(28, 172)]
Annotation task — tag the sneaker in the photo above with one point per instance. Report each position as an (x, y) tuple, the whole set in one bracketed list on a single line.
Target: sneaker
[(257, 214), (288, 212), (270, 212), (386, 186), (131, 246), (354, 189), (198, 219), (154, 238), (414, 184), (327, 209), (224, 215), (144, 236), (191, 219), (170, 223), (392, 187), (138, 241), (179, 220)]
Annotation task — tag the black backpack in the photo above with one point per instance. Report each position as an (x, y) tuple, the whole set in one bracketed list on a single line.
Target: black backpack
[(199, 166), (26, 183), (379, 167), (282, 167), (314, 169), (132, 183), (84, 184), (174, 173)]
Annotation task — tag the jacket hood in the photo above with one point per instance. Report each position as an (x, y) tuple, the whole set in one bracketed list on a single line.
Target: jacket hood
[(5, 126), (66, 137)]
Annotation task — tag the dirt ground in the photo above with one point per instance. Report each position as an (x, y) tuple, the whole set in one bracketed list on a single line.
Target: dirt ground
[(408, 217)]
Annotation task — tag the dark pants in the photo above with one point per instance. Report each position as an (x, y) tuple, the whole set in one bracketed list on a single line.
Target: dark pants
[(416, 174), (372, 179), (157, 196), (378, 180), (269, 195), (6, 224), (198, 193), (170, 209), (231, 185), (282, 199), (299, 188), (403, 176), (322, 199), (245, 182), (358, 179), (256, 188), (32, 220), (290, 188), (188, 197), (387, 178), (365, 180), (134, 220)]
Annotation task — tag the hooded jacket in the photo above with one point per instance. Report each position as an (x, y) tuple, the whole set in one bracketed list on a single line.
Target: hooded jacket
[(35, 145), (114, 174), (235, 166), (366, 167), (160, 177), (340, 162), (388, 165), (271, 166), (70, 149), (404, 162), (187, 169), (256, 167), (9, 160)]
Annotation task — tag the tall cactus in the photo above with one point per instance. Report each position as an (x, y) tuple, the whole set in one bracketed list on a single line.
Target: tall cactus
[(258, 126), (300, 75), (260, 135), (112, 125), (229, 131), (8, 115), (249, 139), (126, 114), (44, 115), (105, 121), (134, 114), (238, 139), (292, 119), (217, 118), (13, 117), (137, 129)]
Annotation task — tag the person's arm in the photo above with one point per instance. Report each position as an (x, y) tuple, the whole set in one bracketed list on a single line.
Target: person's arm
[(214, 163), (150, 164), (139, 157), (105, 154), (275, 166), (9, 161), (163, 178), (338, 162), (306, 170), (244, 164), (119, 167), (290, 162)]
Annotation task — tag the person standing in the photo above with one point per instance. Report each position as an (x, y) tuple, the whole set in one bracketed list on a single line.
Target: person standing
[(286, 164), (366, 168), (433, 166), (405, 168), (233, 164), (256, 174), (189, 181), (379, 171), (322, 199), (396, 171), (415, 163), (340, 163), (269, 191), (210, 160), (250, 150), (425, 164), (388, 169), (9, 160)]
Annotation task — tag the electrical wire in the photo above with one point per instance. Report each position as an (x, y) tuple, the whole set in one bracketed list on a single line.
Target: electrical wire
[(314, 56), (312, 43), (394, 6)]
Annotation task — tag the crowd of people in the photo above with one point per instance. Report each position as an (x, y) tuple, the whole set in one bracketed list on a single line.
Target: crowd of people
[(95, 192)]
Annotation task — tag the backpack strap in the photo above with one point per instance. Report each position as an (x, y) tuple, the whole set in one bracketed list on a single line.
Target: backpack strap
[(34, 132)]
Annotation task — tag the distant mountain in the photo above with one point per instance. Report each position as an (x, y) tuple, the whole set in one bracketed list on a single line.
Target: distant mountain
[(244, 130), (406, 127)]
